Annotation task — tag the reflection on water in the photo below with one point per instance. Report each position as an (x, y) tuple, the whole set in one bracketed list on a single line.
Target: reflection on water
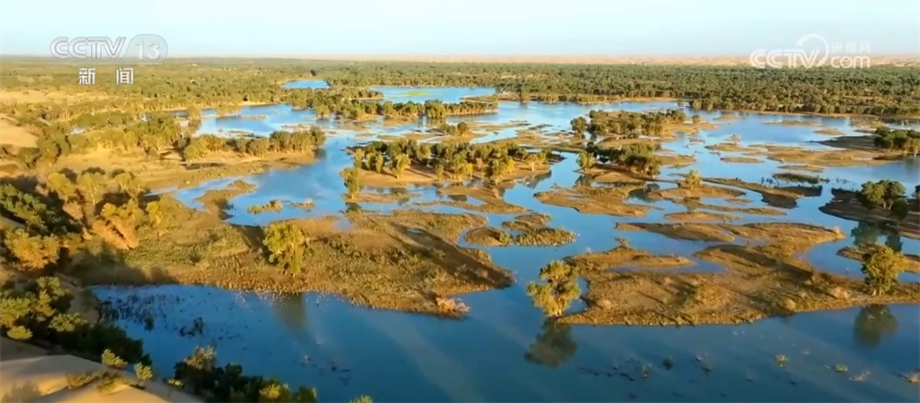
[(291, 311), (491, 355), (872, 324), (554, 345), (507, 352)]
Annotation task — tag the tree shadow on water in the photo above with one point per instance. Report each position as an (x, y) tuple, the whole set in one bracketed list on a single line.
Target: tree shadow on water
[(872, 324), (291, 311), (553, 346)]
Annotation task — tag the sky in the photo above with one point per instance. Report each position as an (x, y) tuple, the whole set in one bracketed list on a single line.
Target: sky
[(442, 27)]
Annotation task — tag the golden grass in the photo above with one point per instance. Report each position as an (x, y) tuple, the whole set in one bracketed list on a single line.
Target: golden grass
[(757, 282), (171, 171), (698, 191), (524, 230), (14, 135), (217, 201), (806, 168), (825, 158), (830, 131), (700, 216), (596, 200), (696, 205), (491, 197), (682, 231), (742, 160), (404, 261)]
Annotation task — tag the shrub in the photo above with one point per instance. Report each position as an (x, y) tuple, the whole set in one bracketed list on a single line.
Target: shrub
[(559, 289), (881, 267)]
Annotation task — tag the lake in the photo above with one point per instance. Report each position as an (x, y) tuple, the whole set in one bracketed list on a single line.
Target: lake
[(503, 351)]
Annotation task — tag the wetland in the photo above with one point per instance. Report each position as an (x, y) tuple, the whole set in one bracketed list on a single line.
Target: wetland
[(413, 286)]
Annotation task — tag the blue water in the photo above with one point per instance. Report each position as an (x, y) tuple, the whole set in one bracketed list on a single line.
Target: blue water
[(403, 357)]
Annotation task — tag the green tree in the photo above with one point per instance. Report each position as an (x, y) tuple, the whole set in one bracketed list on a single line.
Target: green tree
[(258, 147), (378, 162), (872, 195), (91, 186), (400, 163), (194, 112), (579, 125), (61, 185), (352, 182), (558, 290), (693, 180), (19, 333), (439, 172), (881, 266), (899, 209), (286, 244), (112, 360), (585, 160), (143, 373), (894, 191), (466, 170), (32, 252), (463, 128), (359, 158), (128, 184)]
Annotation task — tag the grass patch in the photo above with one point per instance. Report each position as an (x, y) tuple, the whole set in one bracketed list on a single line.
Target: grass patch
[(762, 279), (799, 178), (491, 197), (525, 230), (742, 160), (217, 201), (607, 199), (404, 261)]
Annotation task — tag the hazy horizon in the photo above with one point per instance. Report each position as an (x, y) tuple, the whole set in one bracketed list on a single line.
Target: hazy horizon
[(465, 28)]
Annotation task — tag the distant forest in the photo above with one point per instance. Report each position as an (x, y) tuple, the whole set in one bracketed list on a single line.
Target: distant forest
[(177, 84)]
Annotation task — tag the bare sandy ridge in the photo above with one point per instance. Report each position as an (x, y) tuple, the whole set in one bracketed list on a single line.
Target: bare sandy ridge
[(30, 375)]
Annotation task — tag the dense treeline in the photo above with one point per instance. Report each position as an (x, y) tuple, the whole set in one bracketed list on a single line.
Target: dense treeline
[(906, 141), (457, 160), (155, 135), (431, 109), (37, 312), (194, 148), (638, 158), (67, 216), (628, 124), (889, 195), (881, 90)]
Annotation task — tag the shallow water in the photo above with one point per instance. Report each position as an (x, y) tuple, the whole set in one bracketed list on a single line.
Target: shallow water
[(393, 356)]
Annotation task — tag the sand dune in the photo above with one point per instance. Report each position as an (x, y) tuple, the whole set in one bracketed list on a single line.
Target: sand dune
[(44, 379)]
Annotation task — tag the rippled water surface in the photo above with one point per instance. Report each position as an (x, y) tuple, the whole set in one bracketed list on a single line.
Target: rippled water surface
[(502, 351)]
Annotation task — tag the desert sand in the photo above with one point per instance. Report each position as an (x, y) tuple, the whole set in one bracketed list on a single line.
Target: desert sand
[(29, 375)]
